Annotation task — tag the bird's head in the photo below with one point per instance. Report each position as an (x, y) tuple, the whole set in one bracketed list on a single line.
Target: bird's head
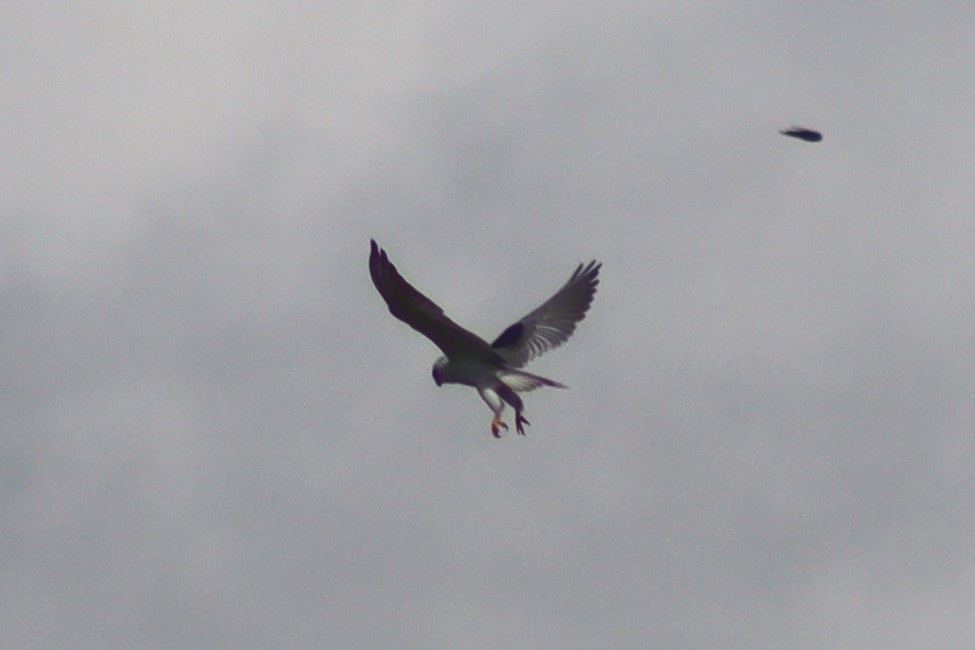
[(438, 367)]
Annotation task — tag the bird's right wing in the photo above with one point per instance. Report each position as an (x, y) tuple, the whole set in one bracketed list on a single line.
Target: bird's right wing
[(422, 314), (551, 324)]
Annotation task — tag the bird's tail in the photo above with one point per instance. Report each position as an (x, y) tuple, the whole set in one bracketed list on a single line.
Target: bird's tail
[(522, 381)]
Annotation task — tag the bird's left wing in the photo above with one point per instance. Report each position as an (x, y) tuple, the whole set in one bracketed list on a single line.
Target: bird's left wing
[(422, 314), (552, 324)]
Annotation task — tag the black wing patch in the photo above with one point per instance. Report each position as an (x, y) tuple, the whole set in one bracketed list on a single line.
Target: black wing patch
[(509, 337)]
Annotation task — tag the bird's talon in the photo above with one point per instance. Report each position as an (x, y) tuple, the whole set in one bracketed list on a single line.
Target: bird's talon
[(496, 425), (519, 420)]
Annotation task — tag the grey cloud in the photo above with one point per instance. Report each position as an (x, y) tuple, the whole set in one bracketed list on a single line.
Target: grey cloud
[(216, 436)]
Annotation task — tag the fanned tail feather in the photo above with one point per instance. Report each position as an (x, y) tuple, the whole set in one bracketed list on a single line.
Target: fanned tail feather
[(522, 381)]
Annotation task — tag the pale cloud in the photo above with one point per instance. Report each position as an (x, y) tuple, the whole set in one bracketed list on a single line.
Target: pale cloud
[(216, 436)]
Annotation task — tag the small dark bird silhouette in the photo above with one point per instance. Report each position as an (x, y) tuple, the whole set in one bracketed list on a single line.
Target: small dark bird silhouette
[(802, 133)]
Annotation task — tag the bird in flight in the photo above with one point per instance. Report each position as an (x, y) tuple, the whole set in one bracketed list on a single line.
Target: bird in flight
[(494, 369), (802, 133)]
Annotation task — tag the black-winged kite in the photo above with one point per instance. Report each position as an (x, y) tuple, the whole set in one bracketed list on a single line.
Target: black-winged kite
[(493, 369)]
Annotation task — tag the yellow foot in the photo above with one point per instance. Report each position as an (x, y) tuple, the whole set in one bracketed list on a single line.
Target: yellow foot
[(496, 426)]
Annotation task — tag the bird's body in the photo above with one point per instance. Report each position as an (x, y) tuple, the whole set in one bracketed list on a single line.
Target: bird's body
[(802, 133), (464, 371), (494, 369)]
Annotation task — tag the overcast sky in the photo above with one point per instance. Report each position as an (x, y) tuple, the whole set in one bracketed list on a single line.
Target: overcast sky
[(214, 435)]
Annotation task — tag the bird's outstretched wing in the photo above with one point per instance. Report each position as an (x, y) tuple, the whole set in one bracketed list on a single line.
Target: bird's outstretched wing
[(551, 325), (422, 314)]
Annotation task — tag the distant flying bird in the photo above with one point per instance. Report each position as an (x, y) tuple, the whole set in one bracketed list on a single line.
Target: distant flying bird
[(802, 133), (493, 369)]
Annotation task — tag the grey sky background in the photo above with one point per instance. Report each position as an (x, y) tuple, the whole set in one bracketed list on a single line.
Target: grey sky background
[(215, 436)]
